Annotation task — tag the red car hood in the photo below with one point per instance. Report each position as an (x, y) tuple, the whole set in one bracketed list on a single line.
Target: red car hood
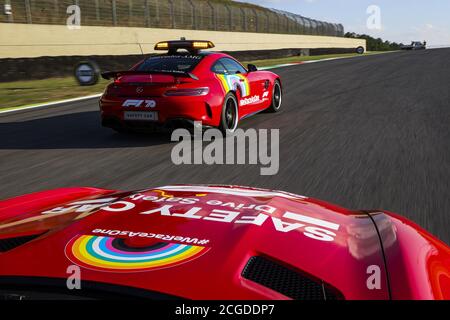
[(196, 242)]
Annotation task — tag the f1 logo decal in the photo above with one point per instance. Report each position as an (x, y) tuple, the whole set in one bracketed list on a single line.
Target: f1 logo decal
[(139, 103)]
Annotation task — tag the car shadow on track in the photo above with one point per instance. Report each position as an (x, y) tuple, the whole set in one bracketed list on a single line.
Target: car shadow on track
[(72, 131)]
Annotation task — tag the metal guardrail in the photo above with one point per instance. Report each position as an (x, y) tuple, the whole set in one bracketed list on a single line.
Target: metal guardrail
[(220, 15)]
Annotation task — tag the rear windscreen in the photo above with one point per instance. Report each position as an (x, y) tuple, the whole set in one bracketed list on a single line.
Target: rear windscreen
[(170, 63)]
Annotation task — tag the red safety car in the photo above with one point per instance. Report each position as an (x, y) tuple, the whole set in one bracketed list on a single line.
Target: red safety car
[(186, 85), (211, 242)]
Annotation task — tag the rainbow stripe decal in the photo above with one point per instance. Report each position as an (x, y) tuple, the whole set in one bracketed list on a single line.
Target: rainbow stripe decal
[(232, 82), (114, 255)]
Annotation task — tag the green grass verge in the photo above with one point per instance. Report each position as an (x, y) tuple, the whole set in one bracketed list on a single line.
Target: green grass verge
[(26, 93), (19, 94)]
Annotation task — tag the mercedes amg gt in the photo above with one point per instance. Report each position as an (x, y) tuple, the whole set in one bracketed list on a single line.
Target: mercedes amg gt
[(187, 85)]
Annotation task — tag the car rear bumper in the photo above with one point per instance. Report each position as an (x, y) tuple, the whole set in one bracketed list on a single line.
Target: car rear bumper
[(170, 112), (115, 123)]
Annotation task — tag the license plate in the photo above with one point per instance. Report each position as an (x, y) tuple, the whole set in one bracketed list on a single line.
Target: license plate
[(141, 116)]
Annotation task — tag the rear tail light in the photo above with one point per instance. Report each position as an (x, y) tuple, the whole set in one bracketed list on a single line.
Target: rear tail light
[(112, 89), (187, 92)]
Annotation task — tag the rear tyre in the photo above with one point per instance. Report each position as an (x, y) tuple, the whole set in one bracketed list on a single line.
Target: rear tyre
[(277, 94), (230, 115)]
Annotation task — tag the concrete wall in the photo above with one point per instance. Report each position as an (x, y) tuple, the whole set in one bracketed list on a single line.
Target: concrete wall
[(30, 40)]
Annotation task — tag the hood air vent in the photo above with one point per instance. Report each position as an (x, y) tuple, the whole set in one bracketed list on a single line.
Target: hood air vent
[(286, 281)]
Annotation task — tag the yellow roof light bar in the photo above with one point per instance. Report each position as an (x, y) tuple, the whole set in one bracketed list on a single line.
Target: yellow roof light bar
[(202, 45), (190, 45), (162, 46)]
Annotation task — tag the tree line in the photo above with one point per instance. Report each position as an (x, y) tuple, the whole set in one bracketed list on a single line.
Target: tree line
[(375, 44)]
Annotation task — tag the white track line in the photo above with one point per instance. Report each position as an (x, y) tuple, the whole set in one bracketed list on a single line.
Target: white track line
[(49, 104), (314, 61)]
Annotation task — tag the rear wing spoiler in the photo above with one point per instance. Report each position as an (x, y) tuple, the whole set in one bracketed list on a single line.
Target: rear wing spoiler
[(116, 74)]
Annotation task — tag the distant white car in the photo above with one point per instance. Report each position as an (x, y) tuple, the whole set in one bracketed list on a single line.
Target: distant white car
[(415, 45)]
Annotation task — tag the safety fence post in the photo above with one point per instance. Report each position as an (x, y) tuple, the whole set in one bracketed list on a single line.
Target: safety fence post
[(230, 17), (193, 15), (297, 27), (267, 28), (130, 12), (97, 10), (323, 29), (287, 24), (278, 23), (114, 12), (28, 11), (244, 16), (172, 13), (147, 14), (213, 15), (56, 9), (256, 19)]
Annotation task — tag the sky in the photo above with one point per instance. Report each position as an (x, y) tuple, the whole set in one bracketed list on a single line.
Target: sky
[(400, 20)]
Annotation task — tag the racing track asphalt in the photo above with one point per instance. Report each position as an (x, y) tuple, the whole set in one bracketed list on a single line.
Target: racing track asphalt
[(369, 132)]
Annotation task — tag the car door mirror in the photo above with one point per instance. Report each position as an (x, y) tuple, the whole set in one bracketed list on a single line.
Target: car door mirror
[(252, 68)]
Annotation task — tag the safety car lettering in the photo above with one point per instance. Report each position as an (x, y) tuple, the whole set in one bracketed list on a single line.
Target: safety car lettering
[(139, 103), (140, 234), (203, 208), (313, 228), (80, 206), (251, 100)]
